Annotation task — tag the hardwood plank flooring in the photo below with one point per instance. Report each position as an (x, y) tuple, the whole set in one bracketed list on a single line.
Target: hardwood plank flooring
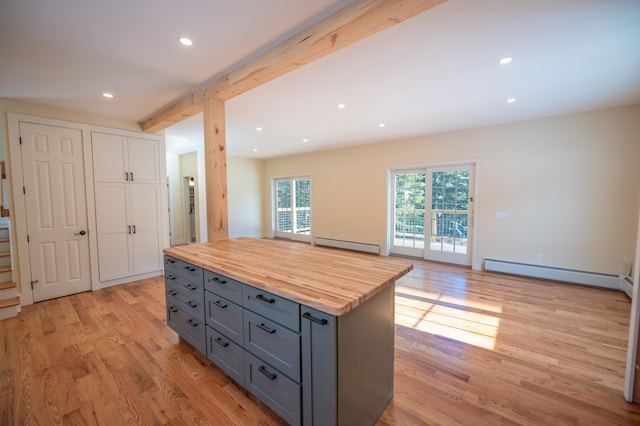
[(471, 348)]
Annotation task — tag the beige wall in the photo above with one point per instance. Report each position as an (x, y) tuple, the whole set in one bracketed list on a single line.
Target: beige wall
[(244, 180), (569, 185)]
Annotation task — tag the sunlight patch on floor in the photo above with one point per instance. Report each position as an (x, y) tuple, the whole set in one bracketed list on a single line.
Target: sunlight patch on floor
[(447, 316)]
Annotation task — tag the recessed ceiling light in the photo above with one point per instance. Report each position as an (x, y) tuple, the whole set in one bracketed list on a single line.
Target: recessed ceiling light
[(506, 60), (255, 149), (341, 106), (259, 129), (107, 95), (511, 100), (186, 41), (381, 125), (305, 140)]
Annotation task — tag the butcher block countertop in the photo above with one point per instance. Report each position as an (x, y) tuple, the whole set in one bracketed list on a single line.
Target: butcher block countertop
[(333, 281)]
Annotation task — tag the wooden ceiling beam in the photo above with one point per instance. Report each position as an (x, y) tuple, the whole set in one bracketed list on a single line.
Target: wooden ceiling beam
[(347, 26)]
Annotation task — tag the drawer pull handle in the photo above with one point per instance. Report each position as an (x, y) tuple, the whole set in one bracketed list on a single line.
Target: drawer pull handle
[(192, 322), (170, 261), (170, 277), (190, 269), (192, 303), (310, 317), (268, 374), (221, 342), (268, 329), (219, 281), (220, 305), (172, 293), (190, 286), (265, 299), (173, 309)]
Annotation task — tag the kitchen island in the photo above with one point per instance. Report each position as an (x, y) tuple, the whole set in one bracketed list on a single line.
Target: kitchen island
[(308, 330)]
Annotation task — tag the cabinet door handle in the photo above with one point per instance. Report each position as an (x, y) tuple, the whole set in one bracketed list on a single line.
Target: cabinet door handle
[(131, 176), (190, 268), (267, 373), (129, 229), (218, 280), (134, 229), (191, 286), (126, 176), (172, 293), (266, 328), (192, 322), (265, 299), (220, 304), (221, 342), (173, 309), (310, 317), (170, 277), (192, 304)]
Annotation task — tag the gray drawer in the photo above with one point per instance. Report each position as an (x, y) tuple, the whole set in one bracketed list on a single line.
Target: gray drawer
[(191, 300), (273, 388), (186, 285), (223, 286), (228, 356), (225, 316), (274, 343), (187, 326), (274, 307), (187, 271)]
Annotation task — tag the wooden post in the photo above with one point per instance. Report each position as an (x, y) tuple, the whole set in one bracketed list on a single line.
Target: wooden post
[(215, 157)]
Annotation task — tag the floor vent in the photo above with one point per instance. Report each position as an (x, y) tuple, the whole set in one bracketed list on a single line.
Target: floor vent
[(348, 245), (611, 282)]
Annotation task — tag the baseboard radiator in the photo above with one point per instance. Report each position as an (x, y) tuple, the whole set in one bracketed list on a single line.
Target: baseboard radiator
[(347, 245), (627, 286), (611, 282)]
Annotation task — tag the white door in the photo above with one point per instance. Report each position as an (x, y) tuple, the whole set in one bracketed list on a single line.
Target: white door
[(56, 210), (433, 213), (449, 214)]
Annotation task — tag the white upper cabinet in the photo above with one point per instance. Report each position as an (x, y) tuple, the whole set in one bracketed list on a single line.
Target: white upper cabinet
[(143, 160), (118, 158)]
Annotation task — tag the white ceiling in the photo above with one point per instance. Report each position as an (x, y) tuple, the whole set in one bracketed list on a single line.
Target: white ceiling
[(436, 72)]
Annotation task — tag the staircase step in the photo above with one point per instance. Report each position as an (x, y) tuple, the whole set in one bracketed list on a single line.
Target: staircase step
[(5, 268), (4, 240), (5, 253), (7, 285), (6, 303)]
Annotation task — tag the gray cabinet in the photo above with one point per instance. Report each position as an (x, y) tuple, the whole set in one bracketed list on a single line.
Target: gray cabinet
[(185, 301), (309, 367), (347, 363)]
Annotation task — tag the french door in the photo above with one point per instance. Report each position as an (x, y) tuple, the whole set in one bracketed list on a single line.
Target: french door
[(433, 213)]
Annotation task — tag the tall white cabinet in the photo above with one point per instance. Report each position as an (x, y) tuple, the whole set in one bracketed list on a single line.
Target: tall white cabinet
[(126, 174)]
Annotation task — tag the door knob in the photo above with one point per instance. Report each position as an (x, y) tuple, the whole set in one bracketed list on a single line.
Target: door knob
[(83, 232)]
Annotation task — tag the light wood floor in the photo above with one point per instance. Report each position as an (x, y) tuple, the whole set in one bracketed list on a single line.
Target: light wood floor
[(471, 348)]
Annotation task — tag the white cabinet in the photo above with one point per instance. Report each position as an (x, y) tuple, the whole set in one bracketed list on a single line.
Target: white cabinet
[(118, 158), (128, 205)]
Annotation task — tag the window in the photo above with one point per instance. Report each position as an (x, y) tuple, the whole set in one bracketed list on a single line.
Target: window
[(293, 208)]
